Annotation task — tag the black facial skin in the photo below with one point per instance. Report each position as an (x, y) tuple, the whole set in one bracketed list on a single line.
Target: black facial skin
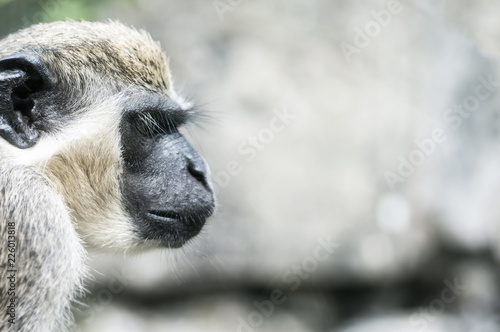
[(165, 184)]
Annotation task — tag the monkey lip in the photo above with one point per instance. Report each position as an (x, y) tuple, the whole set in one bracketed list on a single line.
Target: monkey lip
[(165, 215), (176, 228), (188, 220)]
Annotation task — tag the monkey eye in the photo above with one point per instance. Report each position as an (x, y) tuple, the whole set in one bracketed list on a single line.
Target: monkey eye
[(151, 124), (142, 127)]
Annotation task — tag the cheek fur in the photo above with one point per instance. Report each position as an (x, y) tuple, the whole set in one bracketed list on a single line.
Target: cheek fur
[(87, 177)]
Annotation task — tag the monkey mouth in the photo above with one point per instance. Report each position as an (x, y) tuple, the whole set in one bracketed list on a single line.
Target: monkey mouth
[(165, 215), (188, 219), (175, 228)]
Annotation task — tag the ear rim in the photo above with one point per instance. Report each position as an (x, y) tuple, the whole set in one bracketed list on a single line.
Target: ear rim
[(14, 127), (30, 64)]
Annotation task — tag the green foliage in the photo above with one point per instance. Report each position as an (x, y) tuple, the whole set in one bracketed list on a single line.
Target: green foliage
[(15, 14), (87, 9), (4, 2), (75, 10)]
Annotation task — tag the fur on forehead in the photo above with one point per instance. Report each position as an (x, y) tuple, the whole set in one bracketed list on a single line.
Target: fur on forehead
[(116, 52)]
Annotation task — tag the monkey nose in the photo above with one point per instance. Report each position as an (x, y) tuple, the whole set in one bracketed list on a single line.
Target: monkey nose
[(198, 170)]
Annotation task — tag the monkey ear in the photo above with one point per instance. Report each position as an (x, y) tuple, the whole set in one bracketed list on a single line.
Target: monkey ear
[(22, 77)]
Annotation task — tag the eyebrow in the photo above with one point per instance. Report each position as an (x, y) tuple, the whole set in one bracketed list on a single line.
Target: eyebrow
[(159, 105)]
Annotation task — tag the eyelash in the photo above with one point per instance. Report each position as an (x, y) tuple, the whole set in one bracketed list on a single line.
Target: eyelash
[(151, 124)]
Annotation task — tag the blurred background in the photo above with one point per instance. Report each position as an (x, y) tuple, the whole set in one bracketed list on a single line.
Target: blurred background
[(355, 151)]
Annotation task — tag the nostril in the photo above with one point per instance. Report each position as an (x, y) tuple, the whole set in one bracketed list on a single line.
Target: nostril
[(198, 173)]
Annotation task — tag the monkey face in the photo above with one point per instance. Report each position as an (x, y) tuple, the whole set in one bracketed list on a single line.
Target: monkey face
[(102, 125), (165, 183)]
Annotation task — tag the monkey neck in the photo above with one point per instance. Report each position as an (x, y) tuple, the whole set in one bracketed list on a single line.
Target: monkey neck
[(48, 256)]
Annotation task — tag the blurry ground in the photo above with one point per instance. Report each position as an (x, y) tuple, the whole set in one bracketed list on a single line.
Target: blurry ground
[(355, 152)]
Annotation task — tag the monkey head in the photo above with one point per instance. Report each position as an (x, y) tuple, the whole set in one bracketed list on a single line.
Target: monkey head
[(91, 106)]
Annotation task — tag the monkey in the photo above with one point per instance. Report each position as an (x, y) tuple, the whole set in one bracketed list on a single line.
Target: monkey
[(91, 157)]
